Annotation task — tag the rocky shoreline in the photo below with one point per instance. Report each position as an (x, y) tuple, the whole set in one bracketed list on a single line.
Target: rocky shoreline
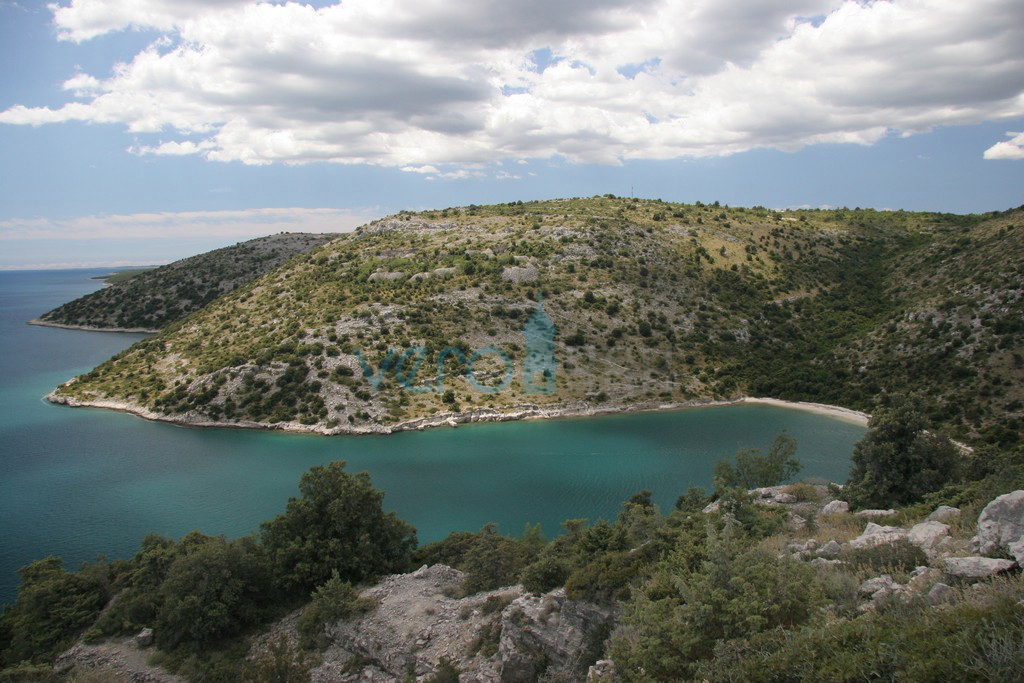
[(90, 328), (520, 412)]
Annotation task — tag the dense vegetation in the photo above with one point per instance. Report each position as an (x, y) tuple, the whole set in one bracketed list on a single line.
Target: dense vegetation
[(653, 303), (702, 595), (152, 299)]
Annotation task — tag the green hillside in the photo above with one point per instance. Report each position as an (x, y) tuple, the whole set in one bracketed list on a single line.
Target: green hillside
[(653, 303), (150, 299)]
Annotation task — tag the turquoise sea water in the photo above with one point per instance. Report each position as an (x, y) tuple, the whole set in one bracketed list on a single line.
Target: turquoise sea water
[(81, 482)]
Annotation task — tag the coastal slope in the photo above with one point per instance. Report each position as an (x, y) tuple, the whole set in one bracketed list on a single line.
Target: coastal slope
[(583, 305), (150, 300)]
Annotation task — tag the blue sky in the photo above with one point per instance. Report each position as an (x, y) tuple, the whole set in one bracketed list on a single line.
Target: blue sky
[(147, 131)]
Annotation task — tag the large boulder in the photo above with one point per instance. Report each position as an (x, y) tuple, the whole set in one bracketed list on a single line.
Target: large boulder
[(550, 635), (835, 507), (875, 534), (944, 513), (1001, 523), (928, 535), (976, 567)]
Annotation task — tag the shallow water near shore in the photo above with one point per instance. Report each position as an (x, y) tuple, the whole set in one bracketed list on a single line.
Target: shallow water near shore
[(82, 482)]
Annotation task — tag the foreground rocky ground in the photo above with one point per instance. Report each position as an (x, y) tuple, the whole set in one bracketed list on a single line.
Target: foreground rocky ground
[(420, 629)]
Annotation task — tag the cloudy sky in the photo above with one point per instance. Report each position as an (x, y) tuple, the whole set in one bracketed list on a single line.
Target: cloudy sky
[(138, 131)]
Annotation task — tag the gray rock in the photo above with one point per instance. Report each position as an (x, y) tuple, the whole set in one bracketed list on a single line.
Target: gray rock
[(836, 507), (875, 513), (940, 594), (519, 274), (928, 535), (603, 669), (944, 513), (144, 638), (874, 534), (824, 562), (830, 550), (1017, 550), (879, 583), (385, 276), (547, 633), (1001, 523), (976, 567)]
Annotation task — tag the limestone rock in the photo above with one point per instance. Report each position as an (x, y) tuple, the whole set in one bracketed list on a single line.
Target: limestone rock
[(976, 567), (875, 534), (830, 550), (875, 513), (836, 507), (928, 535), (940, 594), (1001, 523), (382, 276), (602, 670), (519, 274), (144, 638), (417, 623), (824, 562), (1017, 550), (545, 634), (944, 513)]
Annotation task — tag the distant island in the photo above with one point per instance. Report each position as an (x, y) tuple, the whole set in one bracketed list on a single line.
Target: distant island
[(421, 319)]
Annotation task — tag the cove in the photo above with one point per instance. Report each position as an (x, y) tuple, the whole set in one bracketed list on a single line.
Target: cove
[(83, 482)]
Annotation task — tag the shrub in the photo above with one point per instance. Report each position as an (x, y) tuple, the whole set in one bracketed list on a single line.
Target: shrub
[(337, 525), (899, 461), (901, 555), (675, 620), (213, 590), (753, 470), (53, 606), (333, 601)]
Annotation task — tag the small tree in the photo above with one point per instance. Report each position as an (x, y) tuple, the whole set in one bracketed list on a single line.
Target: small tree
[(899, 461), (753, 470), (338, 524)]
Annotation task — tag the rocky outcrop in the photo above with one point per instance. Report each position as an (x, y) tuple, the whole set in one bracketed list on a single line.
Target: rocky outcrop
[(928, 536), (550, 634), (1001, 525), (836, 507), (501, 635), (115, 660), (875, 534)]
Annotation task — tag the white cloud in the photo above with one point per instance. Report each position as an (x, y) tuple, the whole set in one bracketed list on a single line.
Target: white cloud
[(241, 224), (1008, 149), (438, 82)]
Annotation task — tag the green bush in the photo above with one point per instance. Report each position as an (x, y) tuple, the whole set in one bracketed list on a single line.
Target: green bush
[(675, 620), (975, 639), (338, 524), (489, 559), (899, 461), (753, 470), (52, 608), (331, 602), (213, 590)]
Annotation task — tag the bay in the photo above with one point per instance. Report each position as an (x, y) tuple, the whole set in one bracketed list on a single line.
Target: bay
[(81, 482)]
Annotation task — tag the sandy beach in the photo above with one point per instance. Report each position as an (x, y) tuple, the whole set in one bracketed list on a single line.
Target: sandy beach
[(522, 412), (838, 412)]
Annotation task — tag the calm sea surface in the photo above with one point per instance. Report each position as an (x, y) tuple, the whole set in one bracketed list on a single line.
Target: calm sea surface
[(81, 482)]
